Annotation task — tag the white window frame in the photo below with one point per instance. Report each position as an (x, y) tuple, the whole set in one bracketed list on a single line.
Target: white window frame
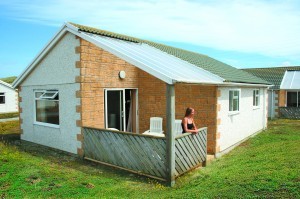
[(4, 98), (42, 97), (232, 112), (256, 95)]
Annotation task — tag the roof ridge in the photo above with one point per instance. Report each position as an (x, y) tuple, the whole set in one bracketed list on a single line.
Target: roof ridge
[(219, 68), (276, 67), (6, 84)]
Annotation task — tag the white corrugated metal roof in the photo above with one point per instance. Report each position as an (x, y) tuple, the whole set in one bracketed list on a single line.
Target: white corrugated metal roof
[(291, 80), (166, 67)]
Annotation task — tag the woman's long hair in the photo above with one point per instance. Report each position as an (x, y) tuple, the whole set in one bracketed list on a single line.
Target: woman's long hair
[(188, 111)]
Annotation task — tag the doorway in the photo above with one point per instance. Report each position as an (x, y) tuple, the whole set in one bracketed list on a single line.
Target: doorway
[(121, 109)]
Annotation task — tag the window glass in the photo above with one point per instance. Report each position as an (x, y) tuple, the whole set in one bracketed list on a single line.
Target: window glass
[(298, 98), (38, 94), (2, 98), (49, 95), (234, 100), (256, 97), (47, 107), (291, 99)]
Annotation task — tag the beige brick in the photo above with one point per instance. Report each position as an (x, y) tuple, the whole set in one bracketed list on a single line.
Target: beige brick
[(78, 123), (78, 109), (80, 152), (78, 94), (218, 93), (78, 64), (78, 49), (219, 107), (79, 137)]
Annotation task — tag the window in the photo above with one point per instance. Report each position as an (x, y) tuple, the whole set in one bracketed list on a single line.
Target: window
[(293, 99), (47, 107), (2, 98), (256, 97), (234, 100)]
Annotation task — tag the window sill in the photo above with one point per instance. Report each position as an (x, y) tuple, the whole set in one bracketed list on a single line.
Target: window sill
[(233, 113), (256, 107), (46, 125)]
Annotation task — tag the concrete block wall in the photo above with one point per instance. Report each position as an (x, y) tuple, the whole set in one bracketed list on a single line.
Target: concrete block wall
[(56, 71)]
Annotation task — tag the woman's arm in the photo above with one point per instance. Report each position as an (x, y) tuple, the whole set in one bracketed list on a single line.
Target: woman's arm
[(195, 128), (185, 122)]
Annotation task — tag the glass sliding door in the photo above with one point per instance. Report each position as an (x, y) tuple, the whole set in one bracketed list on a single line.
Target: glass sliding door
[(114, 109), (121, 109)]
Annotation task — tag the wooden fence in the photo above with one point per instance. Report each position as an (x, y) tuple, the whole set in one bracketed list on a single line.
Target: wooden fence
[(290, 112), (190, 151), (144, 154)]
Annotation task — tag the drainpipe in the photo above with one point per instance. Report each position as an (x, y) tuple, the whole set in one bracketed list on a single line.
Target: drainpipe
[(272, 104), (264, 109)]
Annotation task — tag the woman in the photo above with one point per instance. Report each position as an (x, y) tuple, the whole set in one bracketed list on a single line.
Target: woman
[(188, 124)]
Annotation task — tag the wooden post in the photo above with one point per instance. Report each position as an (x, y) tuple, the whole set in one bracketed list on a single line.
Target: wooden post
[(170, 137)]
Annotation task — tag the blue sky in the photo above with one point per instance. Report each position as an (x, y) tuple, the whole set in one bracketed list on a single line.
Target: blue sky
[(244, 34)]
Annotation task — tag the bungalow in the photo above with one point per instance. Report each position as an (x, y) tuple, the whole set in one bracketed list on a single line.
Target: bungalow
[(8, 98), (90, 80), (283, 95)]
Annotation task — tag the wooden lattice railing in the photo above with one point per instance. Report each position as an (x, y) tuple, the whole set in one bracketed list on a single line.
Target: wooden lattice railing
[(143, 154), (190, 151), (290, 112)]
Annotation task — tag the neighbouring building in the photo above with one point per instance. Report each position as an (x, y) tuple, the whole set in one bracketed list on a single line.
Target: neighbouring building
[(8, 98), (283, 95)]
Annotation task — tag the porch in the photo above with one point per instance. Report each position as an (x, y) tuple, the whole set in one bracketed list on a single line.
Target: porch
[(145, 154)]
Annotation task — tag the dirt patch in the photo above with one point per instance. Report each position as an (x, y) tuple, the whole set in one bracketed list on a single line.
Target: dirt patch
[(33, 179), (88, 185)]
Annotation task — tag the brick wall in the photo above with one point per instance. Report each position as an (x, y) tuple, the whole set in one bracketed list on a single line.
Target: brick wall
[(99, 70), (203, 100), (282, 98)]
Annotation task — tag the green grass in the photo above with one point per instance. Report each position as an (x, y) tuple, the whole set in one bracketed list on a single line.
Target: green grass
[(8, 79), (266, 166), (9, 115)]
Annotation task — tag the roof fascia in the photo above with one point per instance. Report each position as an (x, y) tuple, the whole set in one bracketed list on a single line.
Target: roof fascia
[(245, 85), (60, 33), (6, 84)]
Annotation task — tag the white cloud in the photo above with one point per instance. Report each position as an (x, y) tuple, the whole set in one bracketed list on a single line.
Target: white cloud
[(286, 63), (266, 27)]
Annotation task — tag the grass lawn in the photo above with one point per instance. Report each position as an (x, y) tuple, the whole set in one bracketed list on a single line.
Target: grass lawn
[(266, 166)]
